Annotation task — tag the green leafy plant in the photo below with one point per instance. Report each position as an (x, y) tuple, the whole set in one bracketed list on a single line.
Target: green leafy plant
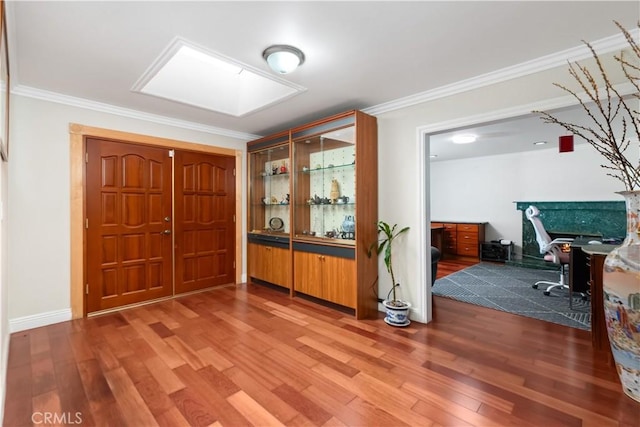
[(386, 236)]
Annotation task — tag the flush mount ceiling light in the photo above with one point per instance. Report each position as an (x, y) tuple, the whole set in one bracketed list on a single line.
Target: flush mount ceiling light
[(283, 58), (540, 143), (466, 138)]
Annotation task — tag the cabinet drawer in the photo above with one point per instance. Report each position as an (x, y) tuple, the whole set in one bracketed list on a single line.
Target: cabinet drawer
[(450, 240), (467, 238), (468, 249), (450, 248), (450, 227), (472, 228)]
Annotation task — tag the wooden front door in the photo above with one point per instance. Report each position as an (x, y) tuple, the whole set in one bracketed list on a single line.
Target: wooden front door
[(128, 203), (204, 220)]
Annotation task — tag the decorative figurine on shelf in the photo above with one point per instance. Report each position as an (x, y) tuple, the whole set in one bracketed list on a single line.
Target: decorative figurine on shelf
[(335, 191), (349, 224), (283, 168), (285, 200), (274, 168)]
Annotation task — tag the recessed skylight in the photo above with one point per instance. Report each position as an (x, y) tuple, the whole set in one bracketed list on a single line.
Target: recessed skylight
[(191, 75)]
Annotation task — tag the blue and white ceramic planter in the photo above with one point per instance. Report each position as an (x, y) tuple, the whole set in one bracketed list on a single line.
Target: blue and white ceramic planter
[(397, 316)]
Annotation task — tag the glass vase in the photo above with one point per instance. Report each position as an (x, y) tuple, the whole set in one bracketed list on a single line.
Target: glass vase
[(621, 286)]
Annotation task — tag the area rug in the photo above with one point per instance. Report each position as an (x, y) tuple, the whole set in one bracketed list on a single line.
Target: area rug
[(508, 288)]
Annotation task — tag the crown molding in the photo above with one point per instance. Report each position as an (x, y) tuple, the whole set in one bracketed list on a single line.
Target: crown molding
[(624, 89), (558, 59), (58, 98)]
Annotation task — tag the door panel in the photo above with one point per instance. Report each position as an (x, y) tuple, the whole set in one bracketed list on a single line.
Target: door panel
[(205, 229), (128, 195)]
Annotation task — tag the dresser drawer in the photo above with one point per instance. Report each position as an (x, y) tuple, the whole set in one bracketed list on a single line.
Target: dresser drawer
[(467, 249), (467, 237), (450, 227), (471, 228)]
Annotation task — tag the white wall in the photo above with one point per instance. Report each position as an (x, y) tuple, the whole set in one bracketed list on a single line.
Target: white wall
[(39, 199), (4, 288), (485, 188)]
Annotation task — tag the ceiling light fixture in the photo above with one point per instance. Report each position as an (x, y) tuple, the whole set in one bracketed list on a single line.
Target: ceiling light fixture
[(282, 58), (539, 142), (464, 138)]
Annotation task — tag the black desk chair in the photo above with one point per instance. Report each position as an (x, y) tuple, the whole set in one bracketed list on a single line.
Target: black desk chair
[(554, 251)]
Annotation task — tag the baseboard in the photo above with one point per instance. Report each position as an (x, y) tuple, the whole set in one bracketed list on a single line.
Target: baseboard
[(38, 320)]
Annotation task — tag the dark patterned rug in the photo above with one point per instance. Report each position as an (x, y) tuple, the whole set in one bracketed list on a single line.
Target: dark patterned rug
[(508, 288)]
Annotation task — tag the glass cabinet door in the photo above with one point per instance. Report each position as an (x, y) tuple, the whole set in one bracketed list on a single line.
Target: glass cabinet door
[(269, 190), (324, 186)]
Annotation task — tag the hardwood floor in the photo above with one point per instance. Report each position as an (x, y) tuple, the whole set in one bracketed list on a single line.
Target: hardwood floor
[(449, 266), (249, 355)]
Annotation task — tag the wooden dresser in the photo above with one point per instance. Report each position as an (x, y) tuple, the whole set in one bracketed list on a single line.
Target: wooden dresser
[(461, 239)]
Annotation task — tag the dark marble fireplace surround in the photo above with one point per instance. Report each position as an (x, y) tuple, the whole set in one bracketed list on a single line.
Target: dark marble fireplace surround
[(605, 219)]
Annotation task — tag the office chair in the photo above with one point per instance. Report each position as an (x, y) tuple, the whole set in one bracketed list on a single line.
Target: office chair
[(552, 250)]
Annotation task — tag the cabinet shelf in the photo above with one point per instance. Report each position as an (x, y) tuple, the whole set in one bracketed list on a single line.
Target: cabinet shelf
[(278, 175), (328, 168), (326, 205)]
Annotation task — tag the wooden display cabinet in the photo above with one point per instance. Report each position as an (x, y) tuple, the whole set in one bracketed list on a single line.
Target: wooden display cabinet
[(269, 210), (330, 219), (335, 211)]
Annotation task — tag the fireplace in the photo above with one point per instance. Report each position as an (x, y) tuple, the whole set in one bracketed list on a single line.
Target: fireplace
[(573, 219)]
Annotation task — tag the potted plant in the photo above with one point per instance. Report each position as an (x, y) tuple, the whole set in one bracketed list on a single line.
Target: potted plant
[(397, 310)]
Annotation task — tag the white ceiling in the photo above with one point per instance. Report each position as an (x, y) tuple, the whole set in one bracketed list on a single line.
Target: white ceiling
[(358, 54), (508, 136)]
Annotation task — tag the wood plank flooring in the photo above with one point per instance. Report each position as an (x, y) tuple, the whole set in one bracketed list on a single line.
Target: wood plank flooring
[(250, 355)]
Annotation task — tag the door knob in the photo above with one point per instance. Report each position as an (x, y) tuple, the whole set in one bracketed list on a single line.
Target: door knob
[(167, 219), (166, 232)]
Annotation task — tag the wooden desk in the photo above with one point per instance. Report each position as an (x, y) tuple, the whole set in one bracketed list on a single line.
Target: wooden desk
[(436, 236), (461, 240), (585, 273)]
